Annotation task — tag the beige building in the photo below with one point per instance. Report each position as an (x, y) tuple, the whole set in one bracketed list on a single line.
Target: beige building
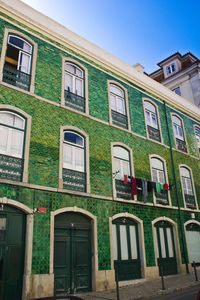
[(181, 74)]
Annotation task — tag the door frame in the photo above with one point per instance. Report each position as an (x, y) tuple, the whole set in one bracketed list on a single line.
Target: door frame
[(176, 240), (28, 241), (140, 238), (94, 250), (185, 224)]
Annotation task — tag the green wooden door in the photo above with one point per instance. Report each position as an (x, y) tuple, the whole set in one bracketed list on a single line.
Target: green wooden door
[(166, 248), (126, 249), (72, 253), (12, 244)]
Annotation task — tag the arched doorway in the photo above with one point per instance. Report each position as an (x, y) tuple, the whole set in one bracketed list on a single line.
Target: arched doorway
[(72, 253), (126, 250), (12, 250), (193, 241), (166, 259)]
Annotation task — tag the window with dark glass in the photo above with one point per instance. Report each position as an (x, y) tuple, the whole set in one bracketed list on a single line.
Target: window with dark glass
[(118, 106), (12, 131), (152, 121), (74, 170), (18, 61), (187, 187), (171, 68), (158, 175), (197, 136), (74, 87), (121, 167), (179, 134)]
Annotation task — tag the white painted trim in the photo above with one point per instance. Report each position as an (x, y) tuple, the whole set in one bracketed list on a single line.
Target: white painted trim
[(87, 151), (185, 232), (117, 84), (158, 119), (113, 144), (176, 239), (34, 54), (140, 236), (28, 240), (70, 60), (194, 190), (198, 148), (93, 238), (26, 137), (183, 127), (166, 175)]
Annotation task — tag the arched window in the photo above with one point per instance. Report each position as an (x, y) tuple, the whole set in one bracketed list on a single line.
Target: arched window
[(179, 133), (74, 86), (159, 177), (197, 136), (121, 168), (152, 121), (74, 170), (187, 187), (12, 131), (118, 106), (18, 62)]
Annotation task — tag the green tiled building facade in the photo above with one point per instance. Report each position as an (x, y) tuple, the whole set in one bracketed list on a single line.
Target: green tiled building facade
[(75, 123)]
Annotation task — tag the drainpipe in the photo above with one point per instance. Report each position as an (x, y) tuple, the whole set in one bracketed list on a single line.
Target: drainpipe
[(176, 190)]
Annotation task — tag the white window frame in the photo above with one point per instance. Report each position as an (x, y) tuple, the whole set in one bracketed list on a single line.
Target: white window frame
[(171, 68), (197, 136), (177, 128), (75, 78), (122, 161), (192, 184), (117, 98)]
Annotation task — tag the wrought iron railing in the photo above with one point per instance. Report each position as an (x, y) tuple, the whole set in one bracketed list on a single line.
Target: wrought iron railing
[(74, 101), (74, 180), (162, 197), (16, 77), (181, 145), (154, 133), (119, 119), (190, 201), (123, 190), (11, 168)]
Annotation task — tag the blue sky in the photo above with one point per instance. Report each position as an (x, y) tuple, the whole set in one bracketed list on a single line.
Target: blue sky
[(144, 31)]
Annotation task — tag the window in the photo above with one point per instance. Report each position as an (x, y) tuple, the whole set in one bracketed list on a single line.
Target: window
[(197, 135), (152, 121), (18, 62), (171, 69), (12, 131), (121, 167), (177, 91), (74, 89), (159, 176), (179, 134), (118, 106), (187, 187), (74, 174)]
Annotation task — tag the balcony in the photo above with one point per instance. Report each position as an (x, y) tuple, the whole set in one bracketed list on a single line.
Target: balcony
[(162, 198), (181, 145), (74, 180), (123, 190), (16, 77), (154, 133), (190, 201), (74, 101), (119, 119), (11, 168)]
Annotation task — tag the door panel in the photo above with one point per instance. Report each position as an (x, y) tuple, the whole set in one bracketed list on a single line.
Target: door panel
[(166, 249), (126, 249), (193, 242), (72, 254)]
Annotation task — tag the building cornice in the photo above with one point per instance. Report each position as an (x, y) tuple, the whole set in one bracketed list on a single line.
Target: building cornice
[(38, 22)]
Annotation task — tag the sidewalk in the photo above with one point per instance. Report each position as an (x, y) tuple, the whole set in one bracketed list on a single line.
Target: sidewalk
[(145, 289)]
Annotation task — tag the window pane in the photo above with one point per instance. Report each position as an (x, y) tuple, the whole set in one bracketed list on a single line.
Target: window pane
[(169, 241), (27, 47), (113, 102), (149, 106), (3, 139), (79, 72), (148, 119), (114, 236), (117, 169), (121, 153), (157, 163), (73, 138), (24, 63), (79, 159), (7, 118), (162, 243), (155, 175), (16, 41), (133, 241), (79, 87), (176, 120), (16, 143), (161, 176), (123, 242), (19, 122), (117, 91), (120, 105), (185, 172), (69, 82), (70, 68), (67, 156), (126, 168), (154, 120)]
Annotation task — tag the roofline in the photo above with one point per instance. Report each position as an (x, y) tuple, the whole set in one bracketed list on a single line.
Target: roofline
[(67, 38)]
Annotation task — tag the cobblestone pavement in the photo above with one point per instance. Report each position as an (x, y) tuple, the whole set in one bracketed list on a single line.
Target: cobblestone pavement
[(145, 289)]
